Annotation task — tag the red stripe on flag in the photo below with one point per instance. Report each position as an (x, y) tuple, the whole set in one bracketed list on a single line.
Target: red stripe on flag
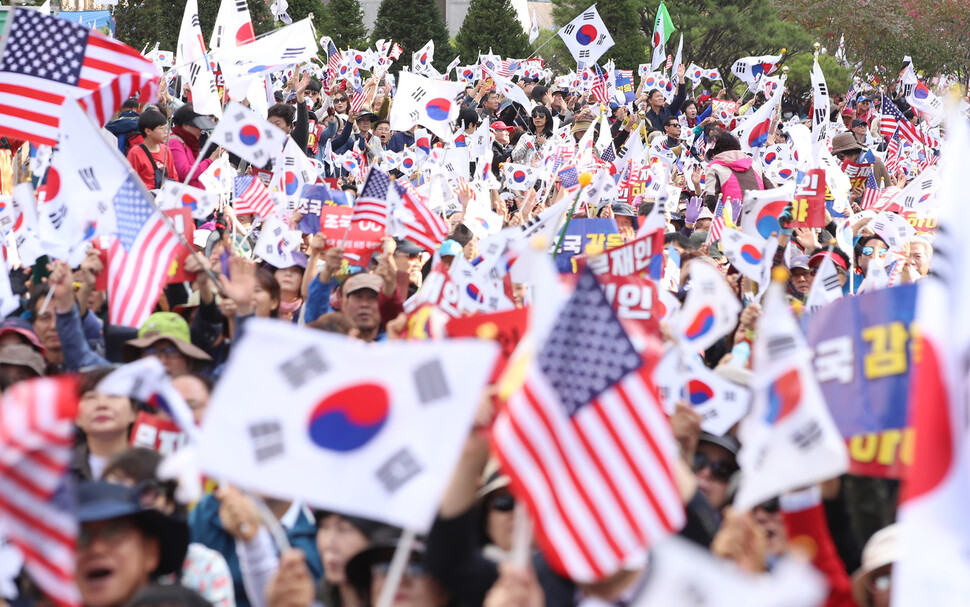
[(16, 112), (30, 93)]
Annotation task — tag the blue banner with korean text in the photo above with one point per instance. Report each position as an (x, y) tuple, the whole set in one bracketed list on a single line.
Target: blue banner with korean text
[(863, 358)]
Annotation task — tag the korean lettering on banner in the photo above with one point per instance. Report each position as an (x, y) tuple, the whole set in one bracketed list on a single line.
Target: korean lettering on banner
[(636, 184), (312, 200), (634, 299), (863, 356), (185, 225), (585, 236), (153, 432), (808, 208), (643, 255), (923, 225), (359, 243), (857, 173), (624, 86)]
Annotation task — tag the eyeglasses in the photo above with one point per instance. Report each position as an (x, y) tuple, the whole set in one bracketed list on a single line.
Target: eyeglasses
[(869, 250), (415, 569), (111, 532), (504, 503), (720, 470), (161, 351), (675, 125)]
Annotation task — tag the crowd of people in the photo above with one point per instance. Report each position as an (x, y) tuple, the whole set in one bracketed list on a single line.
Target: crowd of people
[(139, 545)]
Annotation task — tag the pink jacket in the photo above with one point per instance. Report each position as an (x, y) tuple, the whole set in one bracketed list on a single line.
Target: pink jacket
[(183, 159)]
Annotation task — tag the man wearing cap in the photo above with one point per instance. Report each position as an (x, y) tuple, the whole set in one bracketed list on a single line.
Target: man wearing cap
[(122, 546), (19, 362), (358, 301), (501, 148), (408, 259), (860, 130), (863, 110), (185, 147), (847, 149), (801, 274)]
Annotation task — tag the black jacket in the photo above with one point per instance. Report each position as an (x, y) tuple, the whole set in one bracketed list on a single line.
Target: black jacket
[(657, 120)]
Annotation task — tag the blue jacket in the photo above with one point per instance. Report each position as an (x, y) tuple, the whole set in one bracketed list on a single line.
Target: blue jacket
[(399, 141), (205, 527)]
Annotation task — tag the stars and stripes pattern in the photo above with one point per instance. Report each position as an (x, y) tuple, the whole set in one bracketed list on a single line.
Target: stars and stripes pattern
[(598, 89), (357, 100), (396, 51), (717, 224), (609, 154), (36, 443), (47, 60), (333, 63), (372, 203), (252, 197), (587, 444), (569, 178), (422, 226), (894, 121), (872, 192), (139, 258), (892, 154)]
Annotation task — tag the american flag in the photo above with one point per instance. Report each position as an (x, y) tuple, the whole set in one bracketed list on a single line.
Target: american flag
[(717, 225), (569, 178), (396, 51), (609, 154), (504, 68), (422, 226), (587, 444), (670, 63), (252, 197), (357, 101), (48, 59), (894, 121), (333, 62), (892, 154), (140, 258), (598, 90), (36, 441), (372, 203), (872, 192)]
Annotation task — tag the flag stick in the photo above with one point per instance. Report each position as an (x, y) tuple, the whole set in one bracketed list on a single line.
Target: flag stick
[(47, 301), (569, 217), (273, 525), (400, 560), (521, 536)]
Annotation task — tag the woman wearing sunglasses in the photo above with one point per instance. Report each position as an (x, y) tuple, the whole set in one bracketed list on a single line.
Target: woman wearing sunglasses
[(715, 462)]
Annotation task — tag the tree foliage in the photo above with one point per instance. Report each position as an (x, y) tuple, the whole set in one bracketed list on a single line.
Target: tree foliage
[(301, 9), (144, 22), (875, 36), (343, 20), (838, 78), (621, 19), (491, 24), (719, 32), (411, 23)]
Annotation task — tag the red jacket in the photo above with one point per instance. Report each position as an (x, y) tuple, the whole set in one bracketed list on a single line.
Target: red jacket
[(146, 169), (809, 529)]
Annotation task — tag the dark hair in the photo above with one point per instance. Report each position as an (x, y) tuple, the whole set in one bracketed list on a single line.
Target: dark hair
[(174, 595), (671, 120), (723, 142), (538, 92), (461, 234), (282, 110), (678, 239), (687, 104), (487, 96), (541, 109), (380, 122), (138, 463), (314, 85), (150, 120), (184, 115), (467, 117), (37, 296), (268, 282), (650, 94), (90, 379), (645, 208), (130, 104)]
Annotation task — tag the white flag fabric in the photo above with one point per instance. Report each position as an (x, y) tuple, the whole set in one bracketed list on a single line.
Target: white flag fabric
[(751, 255), (291, 171), (276, 244), (520, 176), (920, 194), (291, 45), (533, 28), (754, 130), (586, 37), (710, 310), (234, 26), (421, 60), (430, 103), (380, 425), (919, 96), (762, 208), (876, 276), (750, 69), (506, 88), (194, 63), (788, 440), (685, 378), (893, 229), (218, 178), (679, 57), (826, 288), (934, 531), (820, 103), (683, 574), (174, 195), (247, 135)]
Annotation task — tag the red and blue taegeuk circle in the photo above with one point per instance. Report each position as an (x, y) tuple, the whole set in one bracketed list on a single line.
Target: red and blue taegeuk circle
[(349, 418)]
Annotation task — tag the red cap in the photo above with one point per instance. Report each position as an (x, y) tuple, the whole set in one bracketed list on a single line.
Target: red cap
[(817, 259), (498, 125), (703, 98)]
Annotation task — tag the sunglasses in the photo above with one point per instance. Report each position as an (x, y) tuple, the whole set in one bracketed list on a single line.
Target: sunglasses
[(720, 470), (161, 351), (771, 506), (869, 250), (504, 503), (340, 100), (673, 125), (414, 569)]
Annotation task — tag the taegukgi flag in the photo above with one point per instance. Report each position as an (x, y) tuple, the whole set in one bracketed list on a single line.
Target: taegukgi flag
[(372, 430)]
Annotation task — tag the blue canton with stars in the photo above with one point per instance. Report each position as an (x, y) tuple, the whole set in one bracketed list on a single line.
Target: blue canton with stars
[(587, 351), (132, 210), (45, 47)]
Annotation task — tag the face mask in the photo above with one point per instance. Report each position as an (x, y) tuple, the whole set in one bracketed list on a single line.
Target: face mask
[(787, 115)]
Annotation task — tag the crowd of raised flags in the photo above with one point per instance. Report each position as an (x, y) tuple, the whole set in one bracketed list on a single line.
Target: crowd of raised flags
[(520, 337)]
